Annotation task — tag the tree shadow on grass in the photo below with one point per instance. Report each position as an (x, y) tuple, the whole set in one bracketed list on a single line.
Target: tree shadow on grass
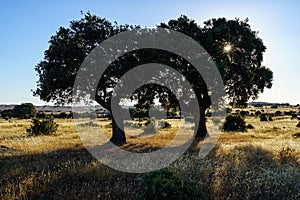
[(243, 172), (68, 174), (62, 174)]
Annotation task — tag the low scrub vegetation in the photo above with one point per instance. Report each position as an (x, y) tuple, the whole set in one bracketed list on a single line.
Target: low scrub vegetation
[(262, 163), (42, 126), (166, 184), (234, 123)]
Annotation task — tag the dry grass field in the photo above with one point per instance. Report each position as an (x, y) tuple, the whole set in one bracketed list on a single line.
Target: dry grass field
[(262, 163)]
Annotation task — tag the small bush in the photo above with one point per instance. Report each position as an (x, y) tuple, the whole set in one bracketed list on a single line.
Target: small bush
[(263, 118), (257, 113), (24, 111), (270, 118), (244, 113), (294, 116), (278, 113), (234, 123), (164, 124), (167, 125), (249, 126), (148, 121), (42, 126), (298, 125), (165, 184), (288, 112)]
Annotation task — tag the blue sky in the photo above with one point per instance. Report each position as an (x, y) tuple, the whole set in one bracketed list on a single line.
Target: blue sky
[(26, 27)]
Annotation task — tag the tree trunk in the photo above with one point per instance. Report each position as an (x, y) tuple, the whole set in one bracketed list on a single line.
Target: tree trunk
[(118, 135), (200, 131)]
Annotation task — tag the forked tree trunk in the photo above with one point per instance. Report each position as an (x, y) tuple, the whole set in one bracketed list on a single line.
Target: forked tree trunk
[(118, 135)]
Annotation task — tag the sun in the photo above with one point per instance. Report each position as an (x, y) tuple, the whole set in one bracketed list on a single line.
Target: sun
[(227, 48)]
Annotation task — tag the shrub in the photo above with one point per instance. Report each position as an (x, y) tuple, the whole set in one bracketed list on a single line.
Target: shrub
[(298, 125), (288, 112), (164, 124), (278, 113), (167, 125), (6, 114), (165, 184), (24, 111), (263, 118), (257, 113), (270, 118), (244, 113), (234, 123), (40, 114), (148, 121), (294, 116), (274, 106), (42, 126), (249, 126)]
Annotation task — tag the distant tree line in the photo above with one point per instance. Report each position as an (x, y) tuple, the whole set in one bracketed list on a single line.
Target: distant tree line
[(23, 111)]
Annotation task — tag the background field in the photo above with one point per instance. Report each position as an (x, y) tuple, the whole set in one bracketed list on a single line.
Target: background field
[(262, 163)]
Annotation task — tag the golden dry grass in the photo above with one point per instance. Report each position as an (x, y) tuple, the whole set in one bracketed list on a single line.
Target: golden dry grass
[(262, 163)]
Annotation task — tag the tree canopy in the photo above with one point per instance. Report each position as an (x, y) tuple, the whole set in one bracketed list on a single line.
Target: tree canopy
[(24, 111), (236, 50)]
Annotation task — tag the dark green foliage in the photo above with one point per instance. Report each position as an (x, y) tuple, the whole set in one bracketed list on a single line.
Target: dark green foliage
[(6, 114), (289, 112), (234, 123), (244, 113), (165, 184), (294, 116), (24, 111), (241, 69), (250, 126), (228, 110), (257, 113), (40, 114), (263, 118), (270, 118), (63, 115), (137, 113), (274, 106), (42, 126), (278, 113), (166, 124)]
